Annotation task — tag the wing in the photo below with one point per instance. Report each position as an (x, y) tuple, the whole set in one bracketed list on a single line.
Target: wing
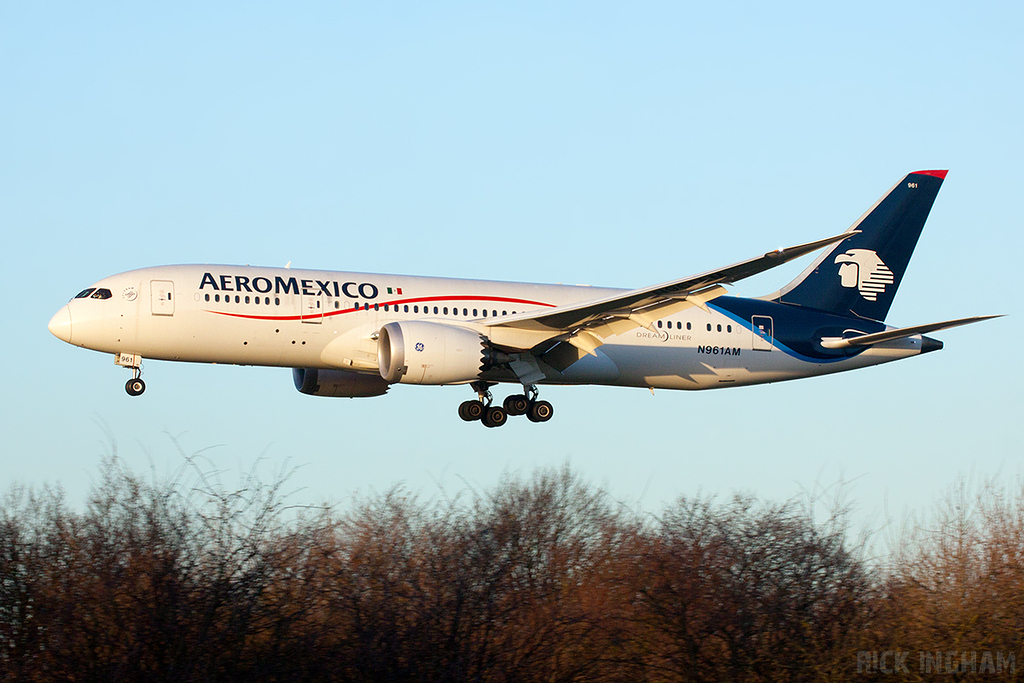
[(586, 325)]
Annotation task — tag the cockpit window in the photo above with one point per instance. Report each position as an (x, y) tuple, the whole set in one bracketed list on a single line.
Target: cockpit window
[(101, 294), (85, 293)]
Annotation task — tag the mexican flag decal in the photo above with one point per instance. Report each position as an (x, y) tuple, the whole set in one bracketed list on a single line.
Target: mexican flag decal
[(396, 290)]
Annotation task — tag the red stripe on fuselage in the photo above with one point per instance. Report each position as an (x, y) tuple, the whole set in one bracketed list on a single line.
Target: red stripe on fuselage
[(396, 302)]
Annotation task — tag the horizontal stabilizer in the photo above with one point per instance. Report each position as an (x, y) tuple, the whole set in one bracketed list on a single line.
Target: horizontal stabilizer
[(890, 335)]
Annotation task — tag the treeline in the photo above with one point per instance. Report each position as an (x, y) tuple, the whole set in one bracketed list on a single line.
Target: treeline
[(541, 580)]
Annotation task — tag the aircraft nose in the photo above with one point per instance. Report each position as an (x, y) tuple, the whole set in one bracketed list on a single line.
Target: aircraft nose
[(60, 324)]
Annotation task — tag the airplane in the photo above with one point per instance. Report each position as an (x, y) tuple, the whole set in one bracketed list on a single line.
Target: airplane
[(356, 334)]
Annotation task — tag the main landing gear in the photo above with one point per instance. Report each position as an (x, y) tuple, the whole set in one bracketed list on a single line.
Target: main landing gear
[(516, 404)]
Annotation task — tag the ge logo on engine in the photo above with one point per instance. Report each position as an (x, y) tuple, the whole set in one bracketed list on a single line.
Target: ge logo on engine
[(419, 346)]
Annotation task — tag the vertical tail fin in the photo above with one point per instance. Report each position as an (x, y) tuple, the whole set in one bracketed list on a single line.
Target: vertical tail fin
[(859, 277)]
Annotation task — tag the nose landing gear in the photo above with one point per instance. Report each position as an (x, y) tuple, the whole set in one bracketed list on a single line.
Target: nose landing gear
[(516, 404), (135, 386)]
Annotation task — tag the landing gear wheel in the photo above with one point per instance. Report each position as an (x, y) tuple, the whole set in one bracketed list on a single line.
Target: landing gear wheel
[(135, 386), (516, 404), (471, 410), (540, 411), (495, 417)]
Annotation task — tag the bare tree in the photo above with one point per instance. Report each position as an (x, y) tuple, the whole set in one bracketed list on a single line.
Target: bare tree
[(742, 591), (544, 579), (955, 582)]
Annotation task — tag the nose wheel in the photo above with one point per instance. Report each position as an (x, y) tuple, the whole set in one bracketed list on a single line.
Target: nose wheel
[(516, 404), (135, 386)]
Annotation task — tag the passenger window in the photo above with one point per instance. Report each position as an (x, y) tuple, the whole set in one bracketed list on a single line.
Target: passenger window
[(216, 297), (719, 328), (366, 306), (84, 294), (504, 312), (709, 327), (728, 328), (688, 326), (465, 311), (474, 312), (376, 307), (495, 313), (277, 301), (415, 309), (659, 323), (446, 310), (207, 297), (485, 312), (337, 305), (256, 300), (455, 311), (435, 310), (406, 308), (246, 298)]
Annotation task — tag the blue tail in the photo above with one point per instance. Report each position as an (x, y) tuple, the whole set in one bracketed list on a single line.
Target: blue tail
[(859, 277)]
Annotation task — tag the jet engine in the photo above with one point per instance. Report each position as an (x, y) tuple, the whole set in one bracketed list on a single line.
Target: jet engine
[(337, 383), (420, 352)]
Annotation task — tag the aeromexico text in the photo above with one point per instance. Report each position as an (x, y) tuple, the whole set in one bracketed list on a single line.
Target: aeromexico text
[(291, 285)]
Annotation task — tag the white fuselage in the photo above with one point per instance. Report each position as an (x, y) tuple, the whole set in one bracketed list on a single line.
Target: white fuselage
[(323, 319)]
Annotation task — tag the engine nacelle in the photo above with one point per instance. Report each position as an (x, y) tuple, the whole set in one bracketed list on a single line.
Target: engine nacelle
[(419, 352), (337, 383)]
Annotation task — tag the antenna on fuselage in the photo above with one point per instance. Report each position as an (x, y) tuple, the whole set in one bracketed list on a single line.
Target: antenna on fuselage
[(288, 265)]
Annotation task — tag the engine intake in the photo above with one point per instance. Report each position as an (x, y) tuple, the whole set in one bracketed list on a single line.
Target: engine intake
[(419, 352), (338, 383)]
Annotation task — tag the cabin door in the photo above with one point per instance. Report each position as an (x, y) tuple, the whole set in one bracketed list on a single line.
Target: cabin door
[(764, 336), (313, 309), (161, 296)]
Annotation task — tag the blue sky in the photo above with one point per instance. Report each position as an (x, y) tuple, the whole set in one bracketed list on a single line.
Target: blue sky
[(610, 144)]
